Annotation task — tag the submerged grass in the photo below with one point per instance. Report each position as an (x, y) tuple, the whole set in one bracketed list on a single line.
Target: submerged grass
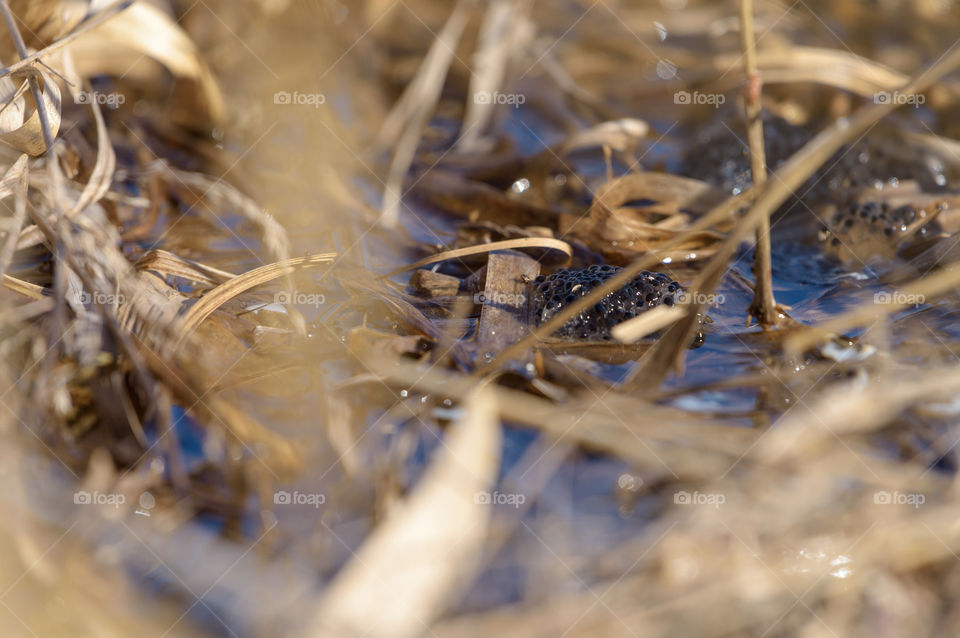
[(197, 443)]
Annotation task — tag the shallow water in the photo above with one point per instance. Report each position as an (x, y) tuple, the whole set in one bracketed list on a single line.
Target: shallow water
[(312, 169)]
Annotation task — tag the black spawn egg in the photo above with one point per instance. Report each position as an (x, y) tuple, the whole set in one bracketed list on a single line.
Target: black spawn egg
[(552, 294)]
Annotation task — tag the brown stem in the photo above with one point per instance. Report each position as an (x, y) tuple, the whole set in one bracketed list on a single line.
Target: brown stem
[(764, 306)]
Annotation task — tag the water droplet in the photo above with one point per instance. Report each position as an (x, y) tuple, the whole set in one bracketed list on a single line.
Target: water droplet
[(661, 30), (147, 501), (521, 185), (666, 70)]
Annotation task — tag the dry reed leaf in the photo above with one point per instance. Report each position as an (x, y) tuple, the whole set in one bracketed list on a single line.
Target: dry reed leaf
[(240, 284), (102, 175), (101, 178), (406, 122), (14, 182), (834, 67), (634, 430), (845, 409), (655, 319), (620, 232), (19, 120), (618, 135), (222, 195), (166, 264), (74, 20), (36, 18), (418, 561), (144, 31), (25, 288), (507, 244), (505, 32)]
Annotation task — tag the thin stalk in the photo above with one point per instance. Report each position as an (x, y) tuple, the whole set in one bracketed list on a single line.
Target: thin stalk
[(764, 306)]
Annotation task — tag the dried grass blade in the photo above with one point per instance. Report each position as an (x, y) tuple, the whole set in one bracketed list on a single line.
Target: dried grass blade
[(427, 553), (524, 242), (647, 323), (241, 283)]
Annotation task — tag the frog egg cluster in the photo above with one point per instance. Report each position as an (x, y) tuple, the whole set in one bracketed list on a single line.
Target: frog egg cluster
[(554, 293), (721, 158), (876, 218)]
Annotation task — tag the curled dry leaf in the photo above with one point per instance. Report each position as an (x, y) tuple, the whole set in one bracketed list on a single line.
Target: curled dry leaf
[(134, 41), (19, 119), (40, 22), (417, 561), (620, 231)]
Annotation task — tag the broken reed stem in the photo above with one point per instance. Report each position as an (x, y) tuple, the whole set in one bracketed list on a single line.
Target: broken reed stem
[(764, 306)]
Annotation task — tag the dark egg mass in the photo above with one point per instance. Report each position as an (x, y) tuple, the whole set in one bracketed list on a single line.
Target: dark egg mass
[(555, 292), (868, 230)]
